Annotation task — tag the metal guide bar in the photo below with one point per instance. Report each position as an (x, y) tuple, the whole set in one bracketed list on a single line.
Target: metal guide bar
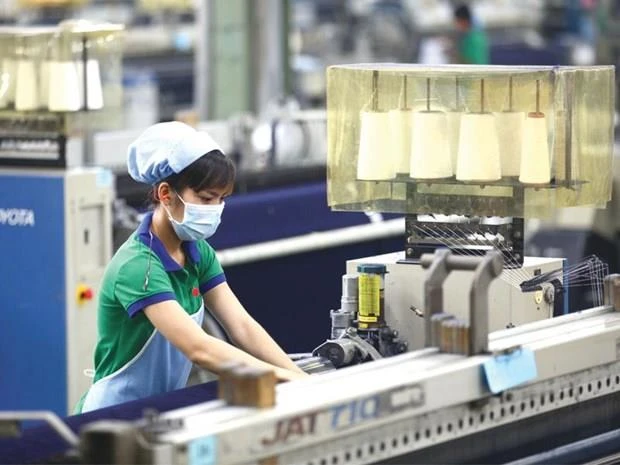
[(533, 331), (445, 425), (553, 323), (348, 404)]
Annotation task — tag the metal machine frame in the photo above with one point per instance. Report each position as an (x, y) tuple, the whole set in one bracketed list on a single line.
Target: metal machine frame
[(400, 407)]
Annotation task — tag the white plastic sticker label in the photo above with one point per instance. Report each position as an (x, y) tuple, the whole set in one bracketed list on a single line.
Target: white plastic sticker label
[(202, 451), (505, 371), (104, 178)]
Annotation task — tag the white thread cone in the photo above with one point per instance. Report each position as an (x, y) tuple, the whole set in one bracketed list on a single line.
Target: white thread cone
[(64, 90), (44, 84), (454, 129), (535, 165), (95, 92), (400, 137), (7, 82), (375, 160), (510, 135), (27, 87), (430, 150), (478, 157)]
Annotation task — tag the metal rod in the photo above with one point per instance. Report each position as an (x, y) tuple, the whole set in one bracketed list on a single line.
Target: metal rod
[(85, 71), (375, 90), (510, 105), (204, 63), (310, 242), (568, 129), (428, 94), (404, 91), (49, 417), (456, 93), (537, 95), (481, 95)]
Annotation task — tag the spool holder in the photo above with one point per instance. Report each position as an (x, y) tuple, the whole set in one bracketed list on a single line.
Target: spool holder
[(404, 103)]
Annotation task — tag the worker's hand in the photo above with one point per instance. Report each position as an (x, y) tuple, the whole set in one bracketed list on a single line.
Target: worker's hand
[(284, 375)]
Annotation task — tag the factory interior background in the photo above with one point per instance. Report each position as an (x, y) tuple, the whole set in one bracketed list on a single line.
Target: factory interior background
[(254, 75)]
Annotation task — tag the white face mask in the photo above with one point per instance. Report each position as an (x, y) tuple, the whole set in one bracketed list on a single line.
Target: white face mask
[(199, 221)]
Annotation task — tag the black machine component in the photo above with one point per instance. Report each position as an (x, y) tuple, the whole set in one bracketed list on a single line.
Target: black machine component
[(464, 236), (36, 139), (354, 337), (553, 291), (109, 441), (357, 346), (587, 274), (557, 289), (385, 339)]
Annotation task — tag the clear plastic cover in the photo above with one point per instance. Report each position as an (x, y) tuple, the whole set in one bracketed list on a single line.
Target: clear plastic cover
[(470, 140), (69, 69)]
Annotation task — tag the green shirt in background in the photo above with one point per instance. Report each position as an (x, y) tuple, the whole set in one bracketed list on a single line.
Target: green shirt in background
[(474, 48)]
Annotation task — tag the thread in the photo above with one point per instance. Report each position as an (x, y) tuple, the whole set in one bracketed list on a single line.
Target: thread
[(535, 165), (44, 83), (478, 156), (375, 162), (93, 83), (430, 150), (454, 130), (7, 82), (401, 129), (64, 86), (27, 86), (510, 137)]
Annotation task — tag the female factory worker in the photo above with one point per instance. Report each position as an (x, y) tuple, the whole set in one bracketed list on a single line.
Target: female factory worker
[(157, 285)]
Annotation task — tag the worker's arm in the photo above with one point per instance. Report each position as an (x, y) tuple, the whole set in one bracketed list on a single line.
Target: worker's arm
[(204, 350), (243, 330)]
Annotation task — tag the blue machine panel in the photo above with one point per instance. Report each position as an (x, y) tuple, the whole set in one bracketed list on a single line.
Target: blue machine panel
[(33, 372), (280, 213)]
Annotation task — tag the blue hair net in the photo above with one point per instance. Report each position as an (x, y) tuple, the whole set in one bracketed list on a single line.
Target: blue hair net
[(165, 149)]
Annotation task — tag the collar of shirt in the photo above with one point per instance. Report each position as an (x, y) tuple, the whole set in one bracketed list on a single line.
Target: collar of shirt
[(157, 246)]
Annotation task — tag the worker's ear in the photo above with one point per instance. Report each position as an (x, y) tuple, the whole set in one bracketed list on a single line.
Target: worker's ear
[(164, 193)]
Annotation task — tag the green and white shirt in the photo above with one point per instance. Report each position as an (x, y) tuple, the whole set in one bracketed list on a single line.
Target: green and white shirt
[(474, 48), (132, 359)]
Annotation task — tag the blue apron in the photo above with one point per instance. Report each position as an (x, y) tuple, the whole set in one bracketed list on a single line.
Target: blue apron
[(159, 367)]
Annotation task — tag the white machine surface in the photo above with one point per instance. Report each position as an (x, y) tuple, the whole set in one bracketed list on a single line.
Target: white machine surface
[(404, 292), (397, 407)]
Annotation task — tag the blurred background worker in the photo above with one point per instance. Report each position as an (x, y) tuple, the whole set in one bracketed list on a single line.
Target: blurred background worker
[(472, 47)]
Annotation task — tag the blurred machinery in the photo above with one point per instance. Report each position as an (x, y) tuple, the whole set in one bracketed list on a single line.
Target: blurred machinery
[(55, 220), (284, 141), (475, 357)]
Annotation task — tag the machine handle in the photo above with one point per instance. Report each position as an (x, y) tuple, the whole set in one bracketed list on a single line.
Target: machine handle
[(486, 268), (453, 262)]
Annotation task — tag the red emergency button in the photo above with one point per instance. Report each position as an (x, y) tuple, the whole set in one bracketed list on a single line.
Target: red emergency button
[(87, 294), (84, 293)]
